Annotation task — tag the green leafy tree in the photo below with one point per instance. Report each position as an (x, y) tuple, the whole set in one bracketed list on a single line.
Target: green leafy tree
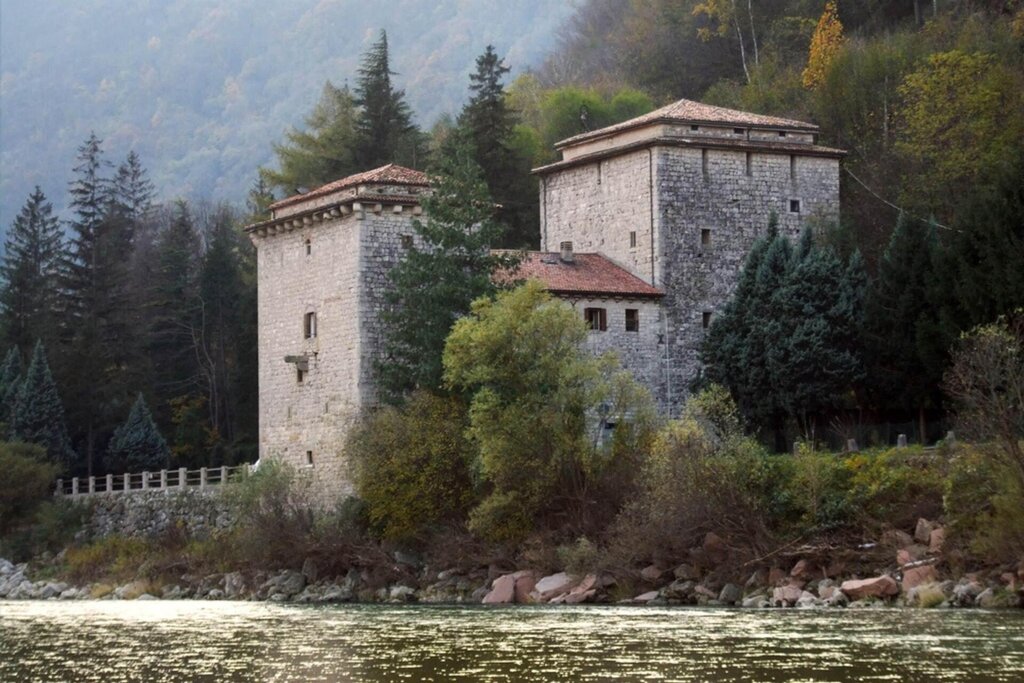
[(436, 282), (137, 444), (489, 124), (324, 151), (384, 125), (38, 415), (520, 360), (31, 269)]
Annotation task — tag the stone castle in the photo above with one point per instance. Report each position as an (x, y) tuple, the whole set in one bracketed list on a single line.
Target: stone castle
[(644, 228)]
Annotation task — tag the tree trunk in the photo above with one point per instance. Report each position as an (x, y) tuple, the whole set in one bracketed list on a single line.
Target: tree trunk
[(753, 33)]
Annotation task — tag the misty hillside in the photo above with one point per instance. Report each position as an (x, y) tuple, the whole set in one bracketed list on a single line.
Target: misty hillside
[(202, 89)]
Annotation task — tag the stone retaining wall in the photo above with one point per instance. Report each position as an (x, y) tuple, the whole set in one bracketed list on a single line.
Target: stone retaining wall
[(196, 512)]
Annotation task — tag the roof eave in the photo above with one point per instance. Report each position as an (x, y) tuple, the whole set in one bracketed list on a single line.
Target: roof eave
[(616, 129)]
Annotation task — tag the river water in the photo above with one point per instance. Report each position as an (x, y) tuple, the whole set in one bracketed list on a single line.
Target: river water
[(250, 641)]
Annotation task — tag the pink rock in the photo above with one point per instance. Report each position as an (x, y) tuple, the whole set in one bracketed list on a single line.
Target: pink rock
[(551, 586), (877, 587), (706, 592), (651, 573), (786, 596), (503, 591), (919, 575), (936, 540), (802, 570), (895, 538), (646, 597), (575, 598), (526, 581)]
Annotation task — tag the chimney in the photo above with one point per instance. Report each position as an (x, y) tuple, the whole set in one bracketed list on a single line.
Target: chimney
[(566, 248)]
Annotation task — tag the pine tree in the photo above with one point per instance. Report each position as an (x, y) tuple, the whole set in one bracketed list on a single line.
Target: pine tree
[(436, 283), (386, 132), (10, 380), (488, 123), (31, 269), (132, 190), (323, 152), (137, 444), (38, 415), (825, 45)]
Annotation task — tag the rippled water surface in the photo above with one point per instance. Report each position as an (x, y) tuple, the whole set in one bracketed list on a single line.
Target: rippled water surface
[(244, 641)]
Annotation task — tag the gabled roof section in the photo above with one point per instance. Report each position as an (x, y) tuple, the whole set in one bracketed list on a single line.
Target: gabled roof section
[(689, 111), (587, 275), (392, 174)]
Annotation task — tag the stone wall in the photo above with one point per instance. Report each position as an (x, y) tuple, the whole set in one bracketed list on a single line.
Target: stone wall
[(195, 512)]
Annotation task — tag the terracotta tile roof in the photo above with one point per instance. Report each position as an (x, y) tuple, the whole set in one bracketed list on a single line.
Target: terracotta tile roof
[(688, 111), (392, 174), (588, 274)]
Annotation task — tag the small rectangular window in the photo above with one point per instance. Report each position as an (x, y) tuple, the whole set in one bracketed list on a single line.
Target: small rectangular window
[(737, 131), (704, 164), (300, 375), (705, 237), (694, 127), (632, 320), (309, 458), (309, 247), (309, 325), (632, 239), (794, 206), (792, 167), (750, 164), (782, 133), (705, 319), (597, 318), (406, 241)]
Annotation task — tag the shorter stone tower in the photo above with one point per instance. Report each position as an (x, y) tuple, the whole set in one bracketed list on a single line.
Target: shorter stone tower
[(323, 260)]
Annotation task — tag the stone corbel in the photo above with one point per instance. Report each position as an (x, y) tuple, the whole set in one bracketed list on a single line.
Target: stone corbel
[(300, 362)]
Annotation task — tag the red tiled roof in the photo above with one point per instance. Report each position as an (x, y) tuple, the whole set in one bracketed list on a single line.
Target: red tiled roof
[(588, 274), (392, 174), (688, 111)]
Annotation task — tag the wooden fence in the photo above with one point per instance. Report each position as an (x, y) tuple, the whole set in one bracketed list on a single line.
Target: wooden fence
[(164, 480)]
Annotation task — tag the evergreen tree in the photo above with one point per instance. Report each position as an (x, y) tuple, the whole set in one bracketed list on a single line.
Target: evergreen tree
[(488, 123), (132, 190), (386, 132), (31, 270), (10, 380), (38, 416), (137, 444), (437, 281), (325, 151)]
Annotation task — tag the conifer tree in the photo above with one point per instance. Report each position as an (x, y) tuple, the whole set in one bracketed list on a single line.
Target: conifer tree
[(137, 444), (825, 45), (436, 282), (38, 415), (131, 188), (386, 131), (31, 269), (488, 123), (10, 380)]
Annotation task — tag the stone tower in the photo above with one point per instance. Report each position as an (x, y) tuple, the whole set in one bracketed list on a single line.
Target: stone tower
[(322, 271), (677, 197)]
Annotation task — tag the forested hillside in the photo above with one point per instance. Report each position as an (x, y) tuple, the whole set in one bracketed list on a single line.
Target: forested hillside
[(200, 89)]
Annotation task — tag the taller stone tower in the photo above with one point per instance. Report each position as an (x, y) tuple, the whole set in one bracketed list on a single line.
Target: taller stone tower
[(677, 197), (323, 260)]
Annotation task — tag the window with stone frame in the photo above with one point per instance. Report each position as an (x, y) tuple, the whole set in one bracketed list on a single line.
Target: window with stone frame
[(632, 320), (309, 325), (705, 319), (596, 318), (309, 246), (794, 206), (705, 238), (632, 239)]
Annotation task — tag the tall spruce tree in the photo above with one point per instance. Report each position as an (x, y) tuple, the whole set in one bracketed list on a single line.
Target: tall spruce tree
[(137, 444), (10, 380), (31, 269), (38, 415), (386, 131), (438, 280), (131, 188), (488, 123)]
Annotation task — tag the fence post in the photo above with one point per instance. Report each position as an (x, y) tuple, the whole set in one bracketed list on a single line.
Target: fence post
[(901, 441), (223, 474), (182, 477), (126, 482), (202, 477), (60, 488), (74, 486), (163, 479), (92, 484)]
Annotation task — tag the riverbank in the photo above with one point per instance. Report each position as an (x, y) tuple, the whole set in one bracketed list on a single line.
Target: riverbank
[(917, 574)]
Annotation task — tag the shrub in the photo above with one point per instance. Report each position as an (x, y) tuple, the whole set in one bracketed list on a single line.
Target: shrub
[(819, 486), (411, 467), (27, 480), (985, 505), (895, 487), (115, 557)]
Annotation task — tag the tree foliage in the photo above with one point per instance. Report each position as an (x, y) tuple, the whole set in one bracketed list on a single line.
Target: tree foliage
[(825, 45), (137, 444), (38, 415)]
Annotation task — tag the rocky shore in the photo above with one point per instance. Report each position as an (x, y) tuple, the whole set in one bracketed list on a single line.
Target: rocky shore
[(918, 577)]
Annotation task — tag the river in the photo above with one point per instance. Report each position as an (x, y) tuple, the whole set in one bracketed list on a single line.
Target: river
[(169, 641)]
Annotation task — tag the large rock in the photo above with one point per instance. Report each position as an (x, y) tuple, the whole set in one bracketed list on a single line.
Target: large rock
[(916, 576), (681, 591), (786, 596), (310, 570), (651, 573), (552, 586), (503, 591), (234, 584), (878, 587), (803, 570), (730, 594), (686, 572), (289, 582), (132, 590), (645, 598), (936, 540), (895, 538), (583, 591), (923, 531), (526, 581)]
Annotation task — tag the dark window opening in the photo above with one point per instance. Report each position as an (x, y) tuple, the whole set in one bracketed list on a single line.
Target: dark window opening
[(406, 241), (782, 133), (705, 319), (632, 238), (632, 320), (704, 164), (694, 127), (794, 206), (309, 325), (597, 318), (300, 375), (705, 237), (309, 458), (309, 247), (792, 168), (738, 131), (750, 164)]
